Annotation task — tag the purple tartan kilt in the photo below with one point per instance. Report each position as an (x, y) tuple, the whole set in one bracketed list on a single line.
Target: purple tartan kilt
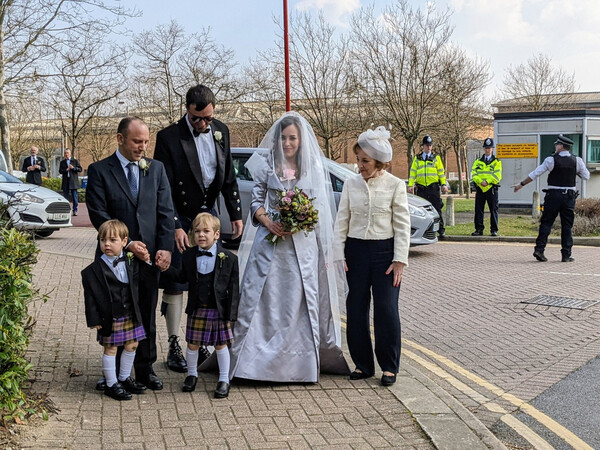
[(124, 330), (204, 327)]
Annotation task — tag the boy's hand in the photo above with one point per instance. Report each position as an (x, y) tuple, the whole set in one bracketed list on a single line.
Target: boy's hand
[(96, 327)]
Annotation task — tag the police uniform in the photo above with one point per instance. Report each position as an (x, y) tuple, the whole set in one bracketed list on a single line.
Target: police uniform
[(427, 175), (486, 169), (563, 167)]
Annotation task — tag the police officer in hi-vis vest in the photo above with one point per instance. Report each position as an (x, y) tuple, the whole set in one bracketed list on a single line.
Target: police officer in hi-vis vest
[(486, 173), (563, 167), (427, 174)]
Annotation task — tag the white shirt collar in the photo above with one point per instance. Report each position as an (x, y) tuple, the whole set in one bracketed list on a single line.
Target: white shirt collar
[(124, 161)]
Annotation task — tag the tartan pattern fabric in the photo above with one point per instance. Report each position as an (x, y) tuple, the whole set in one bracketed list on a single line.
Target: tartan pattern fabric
[(124, 330), (204, 327)]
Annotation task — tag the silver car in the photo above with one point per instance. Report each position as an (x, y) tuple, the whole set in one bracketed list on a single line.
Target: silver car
[(33, 208), (424, 219)]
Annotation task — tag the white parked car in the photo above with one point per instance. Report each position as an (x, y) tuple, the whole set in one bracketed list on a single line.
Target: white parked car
[(33, 208), (424, 219)]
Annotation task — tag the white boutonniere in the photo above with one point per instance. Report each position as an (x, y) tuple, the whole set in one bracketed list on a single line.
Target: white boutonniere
[(129, 257), (218, 137), (221, 256), (144, 165)]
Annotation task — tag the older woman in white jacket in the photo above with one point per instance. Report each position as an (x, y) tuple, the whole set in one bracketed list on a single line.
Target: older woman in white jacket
[(373, 235)]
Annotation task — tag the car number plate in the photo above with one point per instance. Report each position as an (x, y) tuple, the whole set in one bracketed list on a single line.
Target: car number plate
[(436, 226), (63, 216)]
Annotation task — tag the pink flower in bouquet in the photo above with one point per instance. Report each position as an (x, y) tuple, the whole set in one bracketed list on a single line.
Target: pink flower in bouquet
[(289, 194), (287, 200)]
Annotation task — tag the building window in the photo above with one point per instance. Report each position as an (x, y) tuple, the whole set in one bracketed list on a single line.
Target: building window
[(547, 142), (593, 151)]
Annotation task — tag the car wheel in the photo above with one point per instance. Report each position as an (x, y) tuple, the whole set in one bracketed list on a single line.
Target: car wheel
[(43, 233)]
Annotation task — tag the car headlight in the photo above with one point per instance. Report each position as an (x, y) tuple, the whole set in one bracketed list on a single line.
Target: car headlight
[(416, 211), (27, 197)]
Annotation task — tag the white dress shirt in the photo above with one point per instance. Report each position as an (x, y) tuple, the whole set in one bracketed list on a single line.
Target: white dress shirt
[(120, 271), (206, 264), (207, 153), (548, 165), (124, 162), (374, 210)]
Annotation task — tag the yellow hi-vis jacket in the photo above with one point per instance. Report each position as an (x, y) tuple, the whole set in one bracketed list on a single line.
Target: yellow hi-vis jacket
[(490, 172), (426, 172)]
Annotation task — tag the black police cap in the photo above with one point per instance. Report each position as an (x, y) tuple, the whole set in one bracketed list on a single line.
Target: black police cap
[(563, 140), (489, 142), (427, 140)]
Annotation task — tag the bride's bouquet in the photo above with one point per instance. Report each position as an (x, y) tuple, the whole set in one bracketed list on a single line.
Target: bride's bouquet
[(295, 212)]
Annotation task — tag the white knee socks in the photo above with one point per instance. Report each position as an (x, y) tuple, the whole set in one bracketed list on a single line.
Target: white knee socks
[(126, 364), (192, 362), (223, 360), (109, 367), (173, 314)]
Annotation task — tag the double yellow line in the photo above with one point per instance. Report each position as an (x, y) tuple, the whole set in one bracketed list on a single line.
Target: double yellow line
[(527, 433)]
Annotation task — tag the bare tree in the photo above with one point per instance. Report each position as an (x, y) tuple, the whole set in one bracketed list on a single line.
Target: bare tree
[(263, 99), (100, 136), (400, 53), (90, 75), (319, 69), (30, 31), (538, 85), (172, 61), (19, 115), (458, 111)]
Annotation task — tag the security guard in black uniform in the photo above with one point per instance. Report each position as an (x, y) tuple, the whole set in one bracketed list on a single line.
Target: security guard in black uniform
[(427, 175), (560, 196)]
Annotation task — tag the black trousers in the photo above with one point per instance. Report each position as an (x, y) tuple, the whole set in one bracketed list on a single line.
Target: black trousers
[(431, 193), (367, 262), (148, 299), (491, 198), (557, 201)]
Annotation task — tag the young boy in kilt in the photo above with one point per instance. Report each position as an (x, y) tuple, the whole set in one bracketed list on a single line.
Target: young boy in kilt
[(213, 276), (110, 289)]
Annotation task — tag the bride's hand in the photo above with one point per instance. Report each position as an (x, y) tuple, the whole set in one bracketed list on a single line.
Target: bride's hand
[(276, 228)]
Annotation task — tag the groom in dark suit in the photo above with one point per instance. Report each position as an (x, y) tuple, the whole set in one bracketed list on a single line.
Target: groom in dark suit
[(136, 190), (197, 157)]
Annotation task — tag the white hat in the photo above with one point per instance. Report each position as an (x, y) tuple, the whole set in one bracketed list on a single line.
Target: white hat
[(376, 144)]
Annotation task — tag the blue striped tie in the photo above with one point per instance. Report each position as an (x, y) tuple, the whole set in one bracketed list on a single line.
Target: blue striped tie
[(132, 179)]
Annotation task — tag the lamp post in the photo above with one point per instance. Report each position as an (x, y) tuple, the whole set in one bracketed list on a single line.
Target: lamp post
[(286, 50)]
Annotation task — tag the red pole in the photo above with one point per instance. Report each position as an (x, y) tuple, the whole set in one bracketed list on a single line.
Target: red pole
[(286, 50)]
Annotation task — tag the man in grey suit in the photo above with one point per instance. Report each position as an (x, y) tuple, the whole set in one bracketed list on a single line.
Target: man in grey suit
[(135, 190)]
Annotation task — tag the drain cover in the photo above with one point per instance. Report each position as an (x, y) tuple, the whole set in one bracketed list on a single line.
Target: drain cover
[(560, 302)]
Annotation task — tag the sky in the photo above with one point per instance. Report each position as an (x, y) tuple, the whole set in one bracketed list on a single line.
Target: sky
[(501, 32)]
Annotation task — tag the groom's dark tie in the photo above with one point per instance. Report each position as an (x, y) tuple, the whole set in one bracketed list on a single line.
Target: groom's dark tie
[(197, 133)]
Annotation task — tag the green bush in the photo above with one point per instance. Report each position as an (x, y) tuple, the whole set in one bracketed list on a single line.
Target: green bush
[(588, 207), (18, 255), (54, 184)]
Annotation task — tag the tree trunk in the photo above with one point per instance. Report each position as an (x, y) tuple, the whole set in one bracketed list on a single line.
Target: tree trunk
[(5, 133)]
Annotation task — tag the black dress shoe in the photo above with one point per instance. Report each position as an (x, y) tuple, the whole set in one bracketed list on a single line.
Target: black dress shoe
[(222, 390), (540, 256), (189, 384), (133, 386), (356, 375), (442, 236), (175, 360), (118, 392), (494, 233), (203, 355), (388, 380), (477, 233), (151, 381), (567, 259), (101, 384)]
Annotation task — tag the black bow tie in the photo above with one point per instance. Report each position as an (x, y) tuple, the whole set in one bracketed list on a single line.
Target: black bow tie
[(203, 253), (198, 133), (118, 260)]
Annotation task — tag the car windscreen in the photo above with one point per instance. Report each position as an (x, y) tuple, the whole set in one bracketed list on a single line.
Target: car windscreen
[(6, 178)]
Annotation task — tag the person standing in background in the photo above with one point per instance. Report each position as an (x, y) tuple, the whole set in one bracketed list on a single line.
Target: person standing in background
[(69, 169)]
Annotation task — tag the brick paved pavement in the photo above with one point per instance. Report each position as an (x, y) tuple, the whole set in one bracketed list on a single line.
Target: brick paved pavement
[(473, 315), (333, 413)]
